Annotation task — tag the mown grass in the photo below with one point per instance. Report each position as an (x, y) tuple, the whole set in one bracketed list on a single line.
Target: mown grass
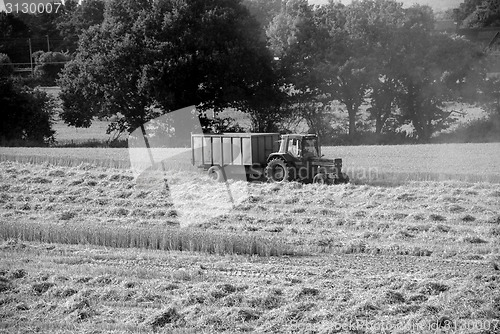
[(437, 219), (62, 289), (419, 254)]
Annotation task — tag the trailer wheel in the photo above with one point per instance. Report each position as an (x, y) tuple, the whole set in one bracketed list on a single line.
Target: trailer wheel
[(216, 173), (277, 171), (319, 178)]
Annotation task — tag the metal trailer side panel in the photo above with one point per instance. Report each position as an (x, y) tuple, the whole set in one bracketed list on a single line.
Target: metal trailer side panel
[(227, 151), (198, 151), (233, 149), (262, 149), (236, 150), (246, 147), (216, 143), (255, 148), (208, 152)]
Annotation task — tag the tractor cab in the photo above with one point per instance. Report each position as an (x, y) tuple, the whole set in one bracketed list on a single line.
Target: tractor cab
[(300, 146)]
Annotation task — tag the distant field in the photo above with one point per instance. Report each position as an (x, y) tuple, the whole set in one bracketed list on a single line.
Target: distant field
[(469, 162), (71, 135), (465, 162), (437, 5), (67, 134)]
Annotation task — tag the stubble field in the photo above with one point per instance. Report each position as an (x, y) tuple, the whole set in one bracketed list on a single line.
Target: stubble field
[(86, 249)]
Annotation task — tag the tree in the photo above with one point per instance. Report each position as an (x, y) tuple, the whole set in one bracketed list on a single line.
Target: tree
[(325, 55), (383, 103), (478, 14), (6, 68), (13, 38), (76, 17), (26, 114), (104, 79), (345, 65), (376, 52), (42, 28), (373, 26), (263, 10), (432, 69), (147, 59), (299, 44), (49, 65), (465, 9)]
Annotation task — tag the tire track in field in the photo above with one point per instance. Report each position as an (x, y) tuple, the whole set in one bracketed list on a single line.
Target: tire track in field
[(296, 270)]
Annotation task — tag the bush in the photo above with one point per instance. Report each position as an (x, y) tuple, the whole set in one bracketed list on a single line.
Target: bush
[(48, 66), (26, 115), (6, 68)]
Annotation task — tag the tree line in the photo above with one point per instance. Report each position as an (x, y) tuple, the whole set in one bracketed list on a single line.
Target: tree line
[(381, 65)]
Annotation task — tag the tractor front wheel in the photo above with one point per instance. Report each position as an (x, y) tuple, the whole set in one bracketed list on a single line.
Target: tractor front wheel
[(319, 178), (278, 171), (344, 179)]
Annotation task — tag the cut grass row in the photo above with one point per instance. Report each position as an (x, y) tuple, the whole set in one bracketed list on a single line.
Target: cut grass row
[(153, 239)]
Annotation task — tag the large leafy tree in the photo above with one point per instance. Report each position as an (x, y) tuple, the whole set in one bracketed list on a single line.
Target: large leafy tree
[(150, 58), (377, 52), (478, 14), (374, 25), (432, 69), (300, 43)]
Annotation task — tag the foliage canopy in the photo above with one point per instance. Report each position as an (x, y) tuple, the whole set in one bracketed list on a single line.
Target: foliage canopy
[(149, 58)]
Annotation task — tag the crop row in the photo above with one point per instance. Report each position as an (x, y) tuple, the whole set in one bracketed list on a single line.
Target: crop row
[(154, 239)]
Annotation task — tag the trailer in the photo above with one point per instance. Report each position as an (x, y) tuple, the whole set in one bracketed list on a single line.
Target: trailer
[(233, 154)]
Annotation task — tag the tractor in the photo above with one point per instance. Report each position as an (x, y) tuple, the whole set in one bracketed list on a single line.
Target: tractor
[(299, 159)]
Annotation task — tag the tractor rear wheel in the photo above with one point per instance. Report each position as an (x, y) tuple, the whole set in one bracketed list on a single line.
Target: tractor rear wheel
[(216, 173), (278, 171)]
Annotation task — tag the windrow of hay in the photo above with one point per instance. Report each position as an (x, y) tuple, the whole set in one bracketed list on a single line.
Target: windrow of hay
[(67, 161), (180, 239)]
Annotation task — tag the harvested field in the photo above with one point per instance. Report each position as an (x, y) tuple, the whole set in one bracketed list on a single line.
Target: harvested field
[(84, 249)]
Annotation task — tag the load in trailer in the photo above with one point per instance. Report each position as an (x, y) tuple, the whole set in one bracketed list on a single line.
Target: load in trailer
[(265, 156)]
